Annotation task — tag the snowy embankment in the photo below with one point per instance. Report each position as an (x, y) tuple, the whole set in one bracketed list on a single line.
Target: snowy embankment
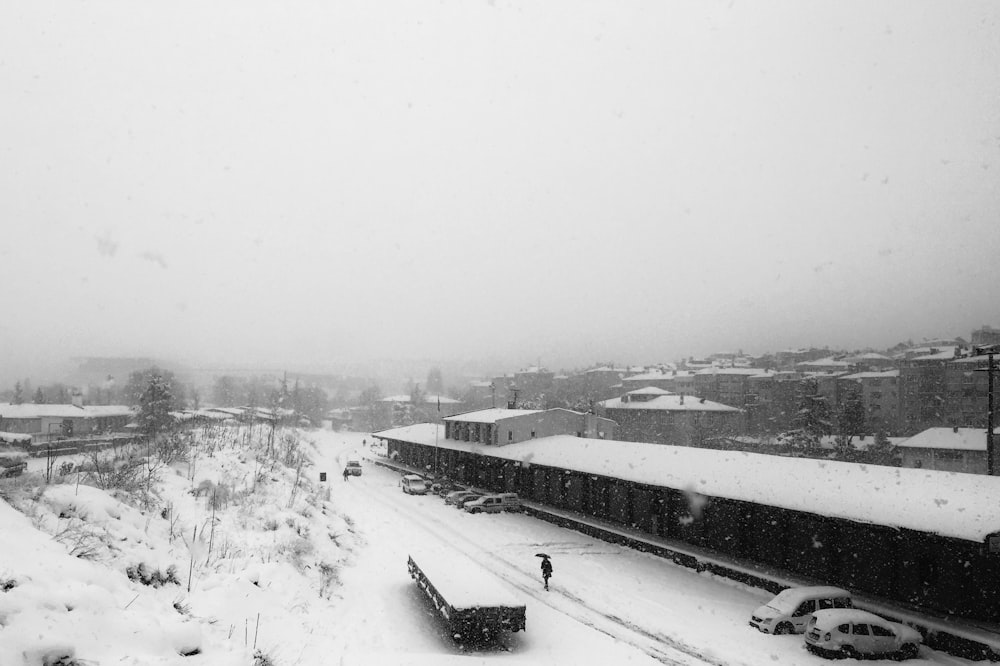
[(229, 558)]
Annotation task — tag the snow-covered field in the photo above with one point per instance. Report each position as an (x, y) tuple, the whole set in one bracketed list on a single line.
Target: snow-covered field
[(294, 571)]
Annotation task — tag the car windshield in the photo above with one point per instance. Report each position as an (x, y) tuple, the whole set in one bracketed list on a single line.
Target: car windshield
[(785, 602)]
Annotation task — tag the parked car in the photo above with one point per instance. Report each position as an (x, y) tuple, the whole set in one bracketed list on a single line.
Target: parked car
[(790, 611), (354, 467), (853, 633), (414, 484), (456, 496), (494, 503), (442, 487)]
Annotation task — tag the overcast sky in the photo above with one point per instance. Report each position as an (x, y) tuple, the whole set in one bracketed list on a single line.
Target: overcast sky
[(310, 182)]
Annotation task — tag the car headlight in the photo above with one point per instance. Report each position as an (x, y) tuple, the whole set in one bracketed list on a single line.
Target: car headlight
[(827, 636), (767, 620)]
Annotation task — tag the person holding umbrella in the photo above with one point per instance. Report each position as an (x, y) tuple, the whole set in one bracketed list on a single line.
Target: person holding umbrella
[(546, 568)]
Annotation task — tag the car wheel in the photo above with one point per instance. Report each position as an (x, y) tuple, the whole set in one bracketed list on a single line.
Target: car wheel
[(784, 628), (909, 651), (849, 652)]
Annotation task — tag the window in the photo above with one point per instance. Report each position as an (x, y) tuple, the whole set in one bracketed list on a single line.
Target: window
[(510, 435), (825, 603), (842, 602), (860, 630), (844, 628), (532, 434), (881, 631), (804, 608)]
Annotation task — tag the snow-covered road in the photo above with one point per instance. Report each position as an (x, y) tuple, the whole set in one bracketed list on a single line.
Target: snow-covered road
[(608, 604)]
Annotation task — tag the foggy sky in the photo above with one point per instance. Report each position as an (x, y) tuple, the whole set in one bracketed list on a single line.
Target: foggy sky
[(310, 182)]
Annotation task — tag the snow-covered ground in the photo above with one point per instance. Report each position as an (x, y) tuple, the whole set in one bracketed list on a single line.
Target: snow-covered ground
[(318, 575)]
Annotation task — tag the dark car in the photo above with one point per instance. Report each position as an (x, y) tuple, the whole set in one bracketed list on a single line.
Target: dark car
[(466, 498), (444, 486)]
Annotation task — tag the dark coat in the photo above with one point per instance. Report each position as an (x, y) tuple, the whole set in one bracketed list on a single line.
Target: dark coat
[(546, 567)]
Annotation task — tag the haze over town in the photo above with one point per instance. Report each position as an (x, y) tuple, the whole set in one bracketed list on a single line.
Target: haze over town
[(224, 184)]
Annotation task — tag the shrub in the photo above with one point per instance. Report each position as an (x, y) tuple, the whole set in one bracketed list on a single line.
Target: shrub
[(261, 658), (142, 573)]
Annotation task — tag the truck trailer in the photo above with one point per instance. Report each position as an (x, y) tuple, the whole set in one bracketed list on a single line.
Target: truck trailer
[(472, 603)]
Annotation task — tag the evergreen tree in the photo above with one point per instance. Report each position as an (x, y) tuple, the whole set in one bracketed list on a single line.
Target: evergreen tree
[(851, 417), (226, 392), (18, 397), (882, 451), (369, 399), (435, 382), (155, 405), (39, 396)]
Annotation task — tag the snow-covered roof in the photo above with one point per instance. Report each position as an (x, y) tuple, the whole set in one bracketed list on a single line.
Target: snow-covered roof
[(211, 414), (672, 402), (451, 573), (650, 390), (937, 355), (961, 506), (14, 438), (33, 411), (428, 399), (888, 374), (869, 356), (828, 362), (231, 411), (732, 371), (956, 439), (490, 415)]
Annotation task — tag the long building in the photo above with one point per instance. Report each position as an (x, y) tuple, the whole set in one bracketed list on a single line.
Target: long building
[(914, 537)]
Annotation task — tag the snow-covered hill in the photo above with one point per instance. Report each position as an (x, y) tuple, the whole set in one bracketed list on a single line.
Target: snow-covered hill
[(230, 558)]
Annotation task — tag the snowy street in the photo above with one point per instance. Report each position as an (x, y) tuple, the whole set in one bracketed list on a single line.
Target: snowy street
[(608, 604)]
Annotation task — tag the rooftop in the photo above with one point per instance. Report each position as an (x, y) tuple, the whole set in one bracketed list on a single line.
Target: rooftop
[(961, 506)]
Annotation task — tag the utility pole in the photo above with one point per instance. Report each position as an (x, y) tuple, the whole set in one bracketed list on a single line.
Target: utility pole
[(991, 456)]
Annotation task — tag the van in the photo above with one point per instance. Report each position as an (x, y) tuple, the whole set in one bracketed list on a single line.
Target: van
[(494, 503), (354, 467), (790, 611), (413, 484)]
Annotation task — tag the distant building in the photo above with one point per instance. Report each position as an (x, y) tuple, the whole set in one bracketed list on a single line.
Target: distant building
[(48, 422), (880, 396), (730, 386), (496, 427), (656, 416), (947, 449), (922, 379), (987, 335), (675, 381), (533, 383)]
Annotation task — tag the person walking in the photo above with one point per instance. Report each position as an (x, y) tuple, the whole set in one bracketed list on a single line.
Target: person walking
[(546, 570), (346, 474)]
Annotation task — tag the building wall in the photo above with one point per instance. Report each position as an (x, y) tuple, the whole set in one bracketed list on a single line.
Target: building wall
[(946, 460), (943, 575), (548, 423), (680, 428)]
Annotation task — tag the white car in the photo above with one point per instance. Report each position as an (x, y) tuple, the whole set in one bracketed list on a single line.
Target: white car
[(853, 633), (414, 485), (494, 503), (790, 611)]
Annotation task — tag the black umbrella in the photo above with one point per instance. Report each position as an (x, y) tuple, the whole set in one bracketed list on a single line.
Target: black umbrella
[(542, 555)]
